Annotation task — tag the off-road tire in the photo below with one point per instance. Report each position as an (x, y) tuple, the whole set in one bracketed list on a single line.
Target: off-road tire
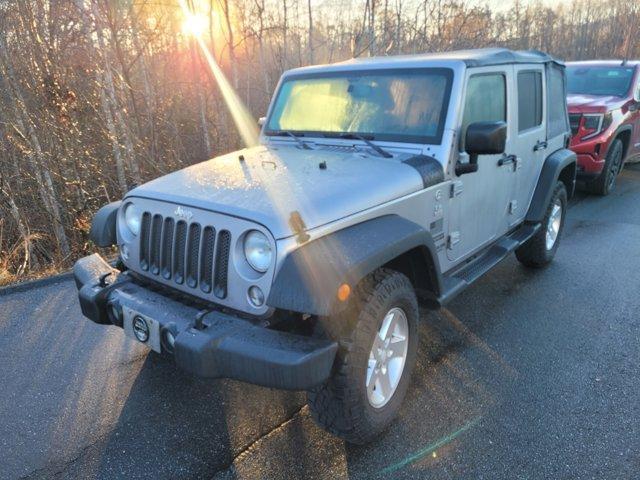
[(606, 181), (534, 252), (341, 404)]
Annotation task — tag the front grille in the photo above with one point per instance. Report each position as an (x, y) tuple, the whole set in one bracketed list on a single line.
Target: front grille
[(574, 122), (190, 254)]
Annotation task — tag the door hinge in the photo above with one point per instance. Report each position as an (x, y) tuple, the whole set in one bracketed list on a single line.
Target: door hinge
[(454, 239), (456, 189)]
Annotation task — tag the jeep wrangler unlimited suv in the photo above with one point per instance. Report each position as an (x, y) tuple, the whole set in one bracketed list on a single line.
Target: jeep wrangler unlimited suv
[(378, 184)]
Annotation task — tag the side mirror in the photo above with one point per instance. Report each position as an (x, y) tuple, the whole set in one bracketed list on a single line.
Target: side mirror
[(262, 121), (482, 138)]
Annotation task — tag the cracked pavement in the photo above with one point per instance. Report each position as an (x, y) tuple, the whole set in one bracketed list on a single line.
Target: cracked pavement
[(527, 374)]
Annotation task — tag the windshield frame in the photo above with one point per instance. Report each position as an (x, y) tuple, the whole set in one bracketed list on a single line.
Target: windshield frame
[(436, 139), (602, 67)]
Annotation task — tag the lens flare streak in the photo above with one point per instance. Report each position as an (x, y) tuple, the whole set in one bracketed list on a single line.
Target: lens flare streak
[(244, 121)]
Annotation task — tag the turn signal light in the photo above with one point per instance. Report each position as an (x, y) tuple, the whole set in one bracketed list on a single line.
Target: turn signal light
[(344, 291)]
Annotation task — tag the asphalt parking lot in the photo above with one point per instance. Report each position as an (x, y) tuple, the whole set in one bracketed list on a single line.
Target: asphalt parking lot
[(527, 375)]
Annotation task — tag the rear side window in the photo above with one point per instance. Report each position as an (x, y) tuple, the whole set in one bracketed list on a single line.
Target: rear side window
[(486, 100), (558, 119), (529, 100)]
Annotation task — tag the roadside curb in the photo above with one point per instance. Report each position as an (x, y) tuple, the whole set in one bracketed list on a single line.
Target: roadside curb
[(40, 282)]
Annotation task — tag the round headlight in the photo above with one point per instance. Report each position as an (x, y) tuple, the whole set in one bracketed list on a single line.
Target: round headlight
[(257, 251), (132, 218)]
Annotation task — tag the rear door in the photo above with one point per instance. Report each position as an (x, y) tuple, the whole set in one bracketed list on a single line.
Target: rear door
[(530, 137)]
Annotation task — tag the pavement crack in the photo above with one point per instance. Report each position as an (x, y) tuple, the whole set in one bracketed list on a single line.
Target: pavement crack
[(57, 469), (245, 451)]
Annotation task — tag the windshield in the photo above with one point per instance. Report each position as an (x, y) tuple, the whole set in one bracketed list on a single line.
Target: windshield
[(391, 105), (599, 80)]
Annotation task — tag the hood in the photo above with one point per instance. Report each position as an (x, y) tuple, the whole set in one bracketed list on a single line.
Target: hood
[(593, 103), (269, 184)]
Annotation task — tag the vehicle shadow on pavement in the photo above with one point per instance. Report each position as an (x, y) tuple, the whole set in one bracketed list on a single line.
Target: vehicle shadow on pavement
[(176, 426)]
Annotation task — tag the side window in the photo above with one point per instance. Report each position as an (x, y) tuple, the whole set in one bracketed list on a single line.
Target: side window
[(529, 100), (557, 117), (486, 100)]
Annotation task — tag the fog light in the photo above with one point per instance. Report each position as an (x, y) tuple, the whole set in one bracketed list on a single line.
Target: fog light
[(140, 328), (170, 339), (256, 297), (124, 252), (115, 313)]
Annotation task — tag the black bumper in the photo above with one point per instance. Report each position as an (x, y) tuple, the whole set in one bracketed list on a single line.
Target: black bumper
[(223, 346)]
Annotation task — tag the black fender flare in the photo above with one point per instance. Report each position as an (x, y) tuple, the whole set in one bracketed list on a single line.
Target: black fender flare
[(309, 277), (103, 226), (616, 134), (549, 176)]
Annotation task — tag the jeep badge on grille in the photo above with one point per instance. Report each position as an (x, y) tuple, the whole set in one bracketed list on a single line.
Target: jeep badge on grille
[(182, 213)]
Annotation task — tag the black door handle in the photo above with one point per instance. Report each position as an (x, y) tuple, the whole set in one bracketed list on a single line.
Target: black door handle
[(507, 159), (540, 145)]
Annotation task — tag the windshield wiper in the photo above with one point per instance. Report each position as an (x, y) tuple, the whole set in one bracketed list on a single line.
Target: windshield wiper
[(366, 140), (288, 133)]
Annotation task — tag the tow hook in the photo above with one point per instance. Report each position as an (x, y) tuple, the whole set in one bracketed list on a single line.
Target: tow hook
[(199, 323), (102, 280)]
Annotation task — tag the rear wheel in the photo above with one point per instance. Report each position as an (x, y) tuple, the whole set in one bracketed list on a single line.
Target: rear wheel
[(540, 249), (606, 182), (378, 342)]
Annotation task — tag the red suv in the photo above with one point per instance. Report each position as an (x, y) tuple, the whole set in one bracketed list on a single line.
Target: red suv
[(604, 112)]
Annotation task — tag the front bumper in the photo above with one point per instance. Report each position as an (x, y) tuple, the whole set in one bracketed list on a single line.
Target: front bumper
[(221, 345), (591, 154)]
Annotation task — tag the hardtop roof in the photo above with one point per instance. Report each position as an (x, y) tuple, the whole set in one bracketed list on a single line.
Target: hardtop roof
[(471, 58), (604, 63)]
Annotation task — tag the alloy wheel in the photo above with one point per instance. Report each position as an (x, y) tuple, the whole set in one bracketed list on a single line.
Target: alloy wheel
[(387, 358), (553, 225)]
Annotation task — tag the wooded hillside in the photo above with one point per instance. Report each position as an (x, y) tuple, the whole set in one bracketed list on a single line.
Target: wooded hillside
[(96, 95)]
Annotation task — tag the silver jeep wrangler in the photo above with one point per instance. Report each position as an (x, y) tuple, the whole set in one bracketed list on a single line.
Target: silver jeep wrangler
[(378, 185)]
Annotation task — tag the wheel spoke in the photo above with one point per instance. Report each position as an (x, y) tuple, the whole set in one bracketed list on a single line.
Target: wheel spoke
[(391, 326), (378, 343), (397, 347), (385, 384)]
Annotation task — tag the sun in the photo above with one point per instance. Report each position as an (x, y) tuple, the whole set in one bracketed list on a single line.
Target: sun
[(194, 24)]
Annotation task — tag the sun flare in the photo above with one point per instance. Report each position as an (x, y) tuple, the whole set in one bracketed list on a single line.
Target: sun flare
[(194, 24)]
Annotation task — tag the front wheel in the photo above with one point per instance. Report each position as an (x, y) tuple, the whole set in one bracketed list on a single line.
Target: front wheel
[(606, 182), (540, 249), (378, 339)]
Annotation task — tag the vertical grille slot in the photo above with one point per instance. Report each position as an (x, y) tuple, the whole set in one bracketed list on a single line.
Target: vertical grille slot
[(206, 259), (154, 244), (193, 249), (179, 251), (144, 240), (167, 248), (222, 264)]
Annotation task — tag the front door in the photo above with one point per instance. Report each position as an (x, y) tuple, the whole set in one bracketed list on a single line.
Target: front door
[(479, 200)]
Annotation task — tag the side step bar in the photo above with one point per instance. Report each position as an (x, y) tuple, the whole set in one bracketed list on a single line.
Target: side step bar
[(461, 277)]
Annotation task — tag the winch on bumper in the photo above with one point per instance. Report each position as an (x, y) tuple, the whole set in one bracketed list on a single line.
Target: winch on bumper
[(212, 345)]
